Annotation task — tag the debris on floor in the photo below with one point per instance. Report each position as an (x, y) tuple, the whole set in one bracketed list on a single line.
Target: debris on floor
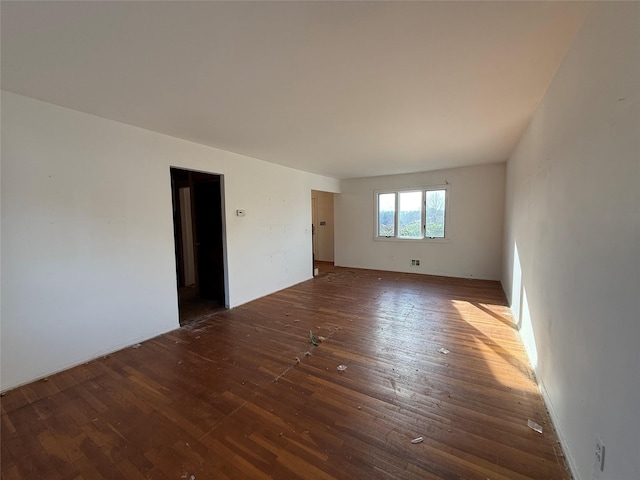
[(417, 440), (297, 360), (534, 426), (342, 368), (137, 345), (296, 320), (307, 354), (314, 339), (443, 350), (322, 339)]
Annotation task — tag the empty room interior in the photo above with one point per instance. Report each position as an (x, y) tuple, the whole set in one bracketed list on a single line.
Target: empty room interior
[(320, 240)]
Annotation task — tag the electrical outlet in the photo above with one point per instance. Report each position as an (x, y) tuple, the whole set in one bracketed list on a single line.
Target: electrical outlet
[(415, 263), (599, 454)]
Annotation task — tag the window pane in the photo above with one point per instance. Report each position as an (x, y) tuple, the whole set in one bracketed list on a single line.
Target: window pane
[(435, 213), (386, 214), (410, 215)]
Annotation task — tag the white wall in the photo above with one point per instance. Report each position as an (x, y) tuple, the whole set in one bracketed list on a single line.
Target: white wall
[(324, 233), (88, 260), (474, 225), (572, 243)]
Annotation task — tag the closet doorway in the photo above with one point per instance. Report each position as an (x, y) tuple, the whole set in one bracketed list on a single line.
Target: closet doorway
[(198, 223)]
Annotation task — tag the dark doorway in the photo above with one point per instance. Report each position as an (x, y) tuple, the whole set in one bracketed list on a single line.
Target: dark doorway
[(199, 243)]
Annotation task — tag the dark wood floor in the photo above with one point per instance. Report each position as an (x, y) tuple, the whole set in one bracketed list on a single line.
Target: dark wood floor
[(227, 398)]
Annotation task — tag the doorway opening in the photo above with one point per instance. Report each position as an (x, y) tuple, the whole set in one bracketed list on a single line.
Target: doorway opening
[(198, 227), (322, 231)]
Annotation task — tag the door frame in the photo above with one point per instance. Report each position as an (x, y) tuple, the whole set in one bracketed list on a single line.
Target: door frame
[(223, 219)]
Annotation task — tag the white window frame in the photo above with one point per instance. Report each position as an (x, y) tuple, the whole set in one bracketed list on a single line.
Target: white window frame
[(447, 229)]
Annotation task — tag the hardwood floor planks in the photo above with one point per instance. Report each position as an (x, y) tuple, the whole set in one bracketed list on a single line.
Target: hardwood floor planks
[(228, 398)]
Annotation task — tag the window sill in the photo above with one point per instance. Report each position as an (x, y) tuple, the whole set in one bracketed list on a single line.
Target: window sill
[(412, 240)]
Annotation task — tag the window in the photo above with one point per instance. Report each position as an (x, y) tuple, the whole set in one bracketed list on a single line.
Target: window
[(409, 214), (435, 206), (387, 215), (412, 214)]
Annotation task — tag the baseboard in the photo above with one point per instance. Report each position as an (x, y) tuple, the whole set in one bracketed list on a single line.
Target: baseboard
[(92, 357), (573, 469), (571, 463)]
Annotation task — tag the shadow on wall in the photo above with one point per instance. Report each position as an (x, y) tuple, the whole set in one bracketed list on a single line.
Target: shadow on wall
[(520, 310)]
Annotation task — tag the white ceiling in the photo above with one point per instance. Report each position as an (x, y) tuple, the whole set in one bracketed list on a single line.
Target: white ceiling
[(345, 89)]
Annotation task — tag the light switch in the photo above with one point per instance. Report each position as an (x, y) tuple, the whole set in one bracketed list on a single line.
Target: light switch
[(240, 212)]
